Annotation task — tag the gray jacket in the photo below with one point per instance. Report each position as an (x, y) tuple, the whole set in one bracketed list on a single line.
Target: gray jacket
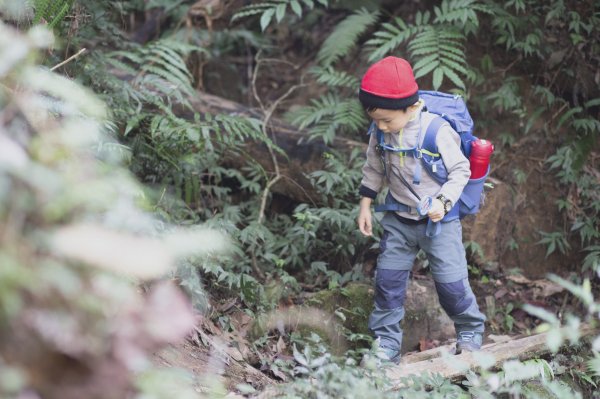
[(448, 143)]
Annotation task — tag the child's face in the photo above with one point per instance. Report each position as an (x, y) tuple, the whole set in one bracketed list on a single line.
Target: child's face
[(391, 121)]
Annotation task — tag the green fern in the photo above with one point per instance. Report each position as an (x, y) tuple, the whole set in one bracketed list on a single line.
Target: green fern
[(345, 35), (332, 78), (394, 34), (461, 13), (437, 46), (328, 116), (507, 97), (167, 144), (275, 10), (158, 67), (51, 11), (521, 33), (441, 51)]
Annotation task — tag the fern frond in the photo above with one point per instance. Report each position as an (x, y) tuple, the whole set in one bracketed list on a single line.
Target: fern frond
[(345, 35), (426, 61), (333, 78), (253, 9), (274, 10), (422, 19), (122, 66), (587, 126), (313, 113), (391, 37), (329, 115), (159, 67), (460, 12), (51, 11), (130, 55), (170, 71), (545, 93), (440, 50), (238, 129)]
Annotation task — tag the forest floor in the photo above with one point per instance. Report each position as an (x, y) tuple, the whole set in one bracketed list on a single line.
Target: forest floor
[(220, 361)]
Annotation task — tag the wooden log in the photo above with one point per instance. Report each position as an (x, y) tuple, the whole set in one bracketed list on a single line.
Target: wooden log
[(441, 361)]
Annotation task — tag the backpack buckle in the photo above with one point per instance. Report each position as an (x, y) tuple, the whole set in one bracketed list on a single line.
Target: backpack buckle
[(418, 154)]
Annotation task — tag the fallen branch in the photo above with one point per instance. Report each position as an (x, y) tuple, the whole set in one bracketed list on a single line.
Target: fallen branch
[(441, 361), (71, 58)]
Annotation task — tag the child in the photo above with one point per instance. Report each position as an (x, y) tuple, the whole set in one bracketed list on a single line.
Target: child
[(390, 96)]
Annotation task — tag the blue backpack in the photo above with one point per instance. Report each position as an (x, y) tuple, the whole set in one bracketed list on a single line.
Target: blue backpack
[(451, 109)]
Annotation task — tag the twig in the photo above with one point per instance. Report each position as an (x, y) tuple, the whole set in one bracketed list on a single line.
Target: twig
[(254, 76), (71, 58), (295, 183), (565, 105), (256, 269), (268, 114)]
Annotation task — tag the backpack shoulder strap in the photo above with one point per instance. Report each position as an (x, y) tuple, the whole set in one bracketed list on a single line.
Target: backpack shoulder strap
[(431, 135), (429, 149), (380, 139)]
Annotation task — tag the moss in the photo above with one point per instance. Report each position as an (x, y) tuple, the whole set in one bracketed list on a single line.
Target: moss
[(354, 302)]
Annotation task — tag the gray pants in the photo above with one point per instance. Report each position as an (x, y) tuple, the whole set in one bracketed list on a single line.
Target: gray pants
[(446, 254)]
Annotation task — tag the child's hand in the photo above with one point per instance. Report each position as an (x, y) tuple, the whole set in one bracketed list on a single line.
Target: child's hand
[(364, 217), (436, 213)]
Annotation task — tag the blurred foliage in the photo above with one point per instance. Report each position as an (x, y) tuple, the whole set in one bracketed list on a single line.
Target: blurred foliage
[(75, 239)]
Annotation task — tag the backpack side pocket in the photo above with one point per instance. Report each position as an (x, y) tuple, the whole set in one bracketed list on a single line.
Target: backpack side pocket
[(470, 199)]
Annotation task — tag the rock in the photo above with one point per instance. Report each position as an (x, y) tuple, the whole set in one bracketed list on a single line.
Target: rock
[(424, 318)]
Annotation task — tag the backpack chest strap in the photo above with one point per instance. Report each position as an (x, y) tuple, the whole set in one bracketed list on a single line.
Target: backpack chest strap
[(428, 149)]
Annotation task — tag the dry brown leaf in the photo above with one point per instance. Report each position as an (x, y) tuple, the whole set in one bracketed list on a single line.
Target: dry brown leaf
[(281, 346), (500, 293), (519, 279), (545, 288), (499, 338)]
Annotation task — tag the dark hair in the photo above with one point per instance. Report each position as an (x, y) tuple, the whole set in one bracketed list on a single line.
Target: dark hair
[(369, 108)]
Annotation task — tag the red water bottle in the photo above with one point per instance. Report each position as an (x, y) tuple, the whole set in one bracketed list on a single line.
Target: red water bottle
[(481, 151)]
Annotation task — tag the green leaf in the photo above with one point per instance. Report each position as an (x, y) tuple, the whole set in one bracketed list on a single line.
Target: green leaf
[(424, 71), (454, 77), (592, 103), (424, 61), (345, 36), (567, 115), (280, 13), (265, 19), (296, 7), (438, 76)]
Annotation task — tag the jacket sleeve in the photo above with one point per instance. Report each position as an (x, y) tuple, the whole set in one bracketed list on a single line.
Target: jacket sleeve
[(457, 165), (373, 177)]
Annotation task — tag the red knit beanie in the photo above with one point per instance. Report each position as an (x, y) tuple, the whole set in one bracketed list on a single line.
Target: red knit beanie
[(389, 84)]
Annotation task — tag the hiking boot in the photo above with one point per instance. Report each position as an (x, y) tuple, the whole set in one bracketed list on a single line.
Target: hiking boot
[(388, 355), (381, 356), (468, 341)]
